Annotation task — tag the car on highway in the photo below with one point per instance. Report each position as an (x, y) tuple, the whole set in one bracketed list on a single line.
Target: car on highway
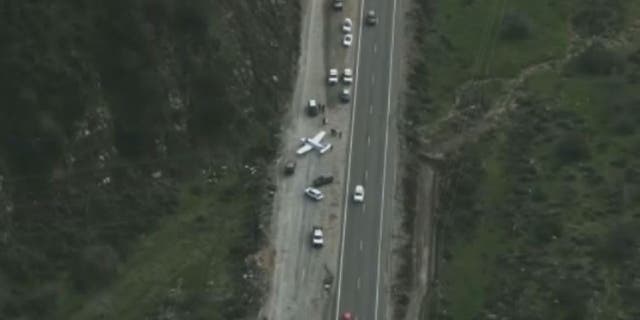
[(347, 40), (317, 237), (338, 4), (333, 76), (347, 76), (347, 316), (347, 25), (322, 181), (312, 108), (372, 18), (290, 167), (345, 95), (358, 194), (314, 193)]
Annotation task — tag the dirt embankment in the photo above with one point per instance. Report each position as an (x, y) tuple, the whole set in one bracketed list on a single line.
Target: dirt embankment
[(414, 247), (414, 234)]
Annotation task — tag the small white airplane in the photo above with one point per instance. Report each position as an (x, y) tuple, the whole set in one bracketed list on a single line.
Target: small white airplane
[(314, 143)]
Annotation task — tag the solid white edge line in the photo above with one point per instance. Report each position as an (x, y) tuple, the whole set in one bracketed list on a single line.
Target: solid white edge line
[(384, 165), (346, 194)]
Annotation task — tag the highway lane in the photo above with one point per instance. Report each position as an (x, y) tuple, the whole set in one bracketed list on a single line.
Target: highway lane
[(359, 278)]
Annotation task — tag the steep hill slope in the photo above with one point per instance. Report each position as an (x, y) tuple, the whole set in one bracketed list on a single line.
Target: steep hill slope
[(526, 111), (135, 137)]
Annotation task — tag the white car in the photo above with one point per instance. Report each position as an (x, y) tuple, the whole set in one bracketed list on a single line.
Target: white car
[(358, 194), (314, 193), (347, 40), (333, 76), (347, 25), (317, 237), (347, 76)]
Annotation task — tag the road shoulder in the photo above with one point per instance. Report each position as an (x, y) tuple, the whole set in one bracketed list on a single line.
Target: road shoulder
[(409, 219)]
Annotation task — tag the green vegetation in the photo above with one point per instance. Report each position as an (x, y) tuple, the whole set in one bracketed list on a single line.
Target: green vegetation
[(190, 264), (126, 189), (539, 210), (467, 39)]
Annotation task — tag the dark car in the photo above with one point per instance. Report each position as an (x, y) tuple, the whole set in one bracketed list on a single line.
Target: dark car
[(289, 168), (345, 95), (372, 19), (322, 180), (313, 108), (338, 4)]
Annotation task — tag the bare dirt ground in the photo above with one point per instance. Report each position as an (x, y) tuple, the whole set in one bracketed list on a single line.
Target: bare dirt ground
[(422, 241), (298, 272)]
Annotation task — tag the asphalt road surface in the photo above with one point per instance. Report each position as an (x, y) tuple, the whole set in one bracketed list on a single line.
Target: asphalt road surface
[(360, 283)]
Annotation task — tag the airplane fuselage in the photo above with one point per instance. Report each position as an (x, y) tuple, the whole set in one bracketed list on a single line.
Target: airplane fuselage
[(313, 143)]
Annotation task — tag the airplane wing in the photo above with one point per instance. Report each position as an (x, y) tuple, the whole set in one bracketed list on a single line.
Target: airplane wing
[(304, 149), (318, 137), (326, 148)]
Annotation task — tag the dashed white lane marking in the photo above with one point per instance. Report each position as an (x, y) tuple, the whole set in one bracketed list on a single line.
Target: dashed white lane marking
[(361, 245), (369, 140), (366, 174), (384, 162), (358, 283), (346, 194), (375, 47), (371, 109)]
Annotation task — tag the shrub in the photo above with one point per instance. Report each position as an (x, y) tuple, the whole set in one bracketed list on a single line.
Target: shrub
[(572, 147), (598, 17), (619, 244), (516, 26), (95, 266), (598, 60)]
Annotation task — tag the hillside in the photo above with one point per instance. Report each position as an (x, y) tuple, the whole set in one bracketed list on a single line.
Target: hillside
[(135, 141), (533, 107)]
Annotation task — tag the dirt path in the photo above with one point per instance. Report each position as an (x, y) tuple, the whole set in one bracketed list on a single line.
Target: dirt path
[(474, 128), (422, 241)]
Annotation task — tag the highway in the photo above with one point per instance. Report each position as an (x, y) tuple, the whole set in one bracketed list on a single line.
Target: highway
[(360, 278)]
